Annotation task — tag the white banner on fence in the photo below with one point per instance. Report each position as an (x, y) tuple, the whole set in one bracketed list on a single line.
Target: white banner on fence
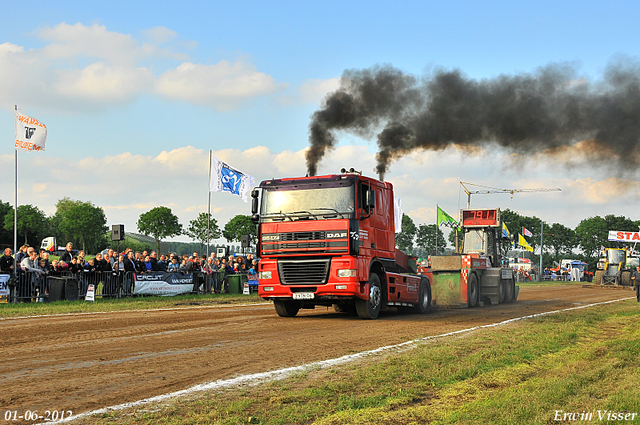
[(4, 285), (91, 293), (619, 236), (161, 288)]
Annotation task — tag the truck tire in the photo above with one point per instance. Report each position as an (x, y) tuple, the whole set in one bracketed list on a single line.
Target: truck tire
[(501, 291), (597, 279), (626, 278), (424, 301), (509, 290), (473, 293), (370, 308), (286, 308)]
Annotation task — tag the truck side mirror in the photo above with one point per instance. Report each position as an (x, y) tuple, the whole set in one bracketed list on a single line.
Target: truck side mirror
[(255, 218), (370, 199), (254, 201)]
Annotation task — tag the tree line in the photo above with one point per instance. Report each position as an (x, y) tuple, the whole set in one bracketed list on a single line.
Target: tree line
[(85, 224), (582, 243)]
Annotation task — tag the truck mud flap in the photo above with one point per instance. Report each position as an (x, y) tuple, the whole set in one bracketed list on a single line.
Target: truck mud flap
[(445, 290)]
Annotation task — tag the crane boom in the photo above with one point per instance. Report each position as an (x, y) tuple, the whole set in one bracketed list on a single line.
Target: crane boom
[(490, 190)]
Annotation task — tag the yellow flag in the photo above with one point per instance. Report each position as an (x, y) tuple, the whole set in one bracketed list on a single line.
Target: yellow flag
[(523, 243)]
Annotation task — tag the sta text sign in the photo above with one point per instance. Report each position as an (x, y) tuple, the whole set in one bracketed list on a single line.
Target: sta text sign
[(618, 236)]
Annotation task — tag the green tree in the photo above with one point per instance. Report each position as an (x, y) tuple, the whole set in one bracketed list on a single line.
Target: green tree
[(404, 239), (428, 236), (593, 232), (559, 239), (203, 229), (238, 226), (83, 223), (6, 237), (31, 223), (160, 223)]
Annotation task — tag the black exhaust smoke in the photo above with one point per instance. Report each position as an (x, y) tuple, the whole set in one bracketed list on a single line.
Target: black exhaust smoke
[(548, 109)]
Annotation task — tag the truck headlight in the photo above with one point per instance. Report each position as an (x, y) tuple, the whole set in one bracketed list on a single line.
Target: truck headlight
[(347, 273), (264, 275)]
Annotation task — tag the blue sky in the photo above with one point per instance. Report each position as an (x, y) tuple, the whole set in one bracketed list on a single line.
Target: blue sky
[(119, 83)]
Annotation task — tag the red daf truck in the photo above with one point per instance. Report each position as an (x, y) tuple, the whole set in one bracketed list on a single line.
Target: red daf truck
[(330, 241)]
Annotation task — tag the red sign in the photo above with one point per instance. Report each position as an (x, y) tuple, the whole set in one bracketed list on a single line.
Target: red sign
[(471, 218)]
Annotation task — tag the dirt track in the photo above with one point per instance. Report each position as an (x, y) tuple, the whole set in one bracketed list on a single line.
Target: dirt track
[(86, 362)]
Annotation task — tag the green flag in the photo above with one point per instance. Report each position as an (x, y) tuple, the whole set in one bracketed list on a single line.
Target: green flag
[(446, 219)]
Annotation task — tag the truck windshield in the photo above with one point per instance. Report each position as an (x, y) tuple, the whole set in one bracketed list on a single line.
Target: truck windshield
[(616, 256), (315, 203), (474, 242)]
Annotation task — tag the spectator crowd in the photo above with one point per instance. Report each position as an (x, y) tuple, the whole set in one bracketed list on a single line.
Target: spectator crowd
[(29, 260)]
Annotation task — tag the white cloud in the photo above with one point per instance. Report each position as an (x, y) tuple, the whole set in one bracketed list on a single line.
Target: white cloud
[(222, 86), (311, 91), (99, 82), (70, 42), (159, 35), (85, 68)]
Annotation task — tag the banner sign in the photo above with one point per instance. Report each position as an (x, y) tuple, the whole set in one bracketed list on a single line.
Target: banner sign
[(163, 284), (91, 293), (616, 236), (4, 285)]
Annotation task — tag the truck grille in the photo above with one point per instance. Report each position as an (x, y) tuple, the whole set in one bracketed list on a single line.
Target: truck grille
[(301, 243), (302, 236), (303, 272)]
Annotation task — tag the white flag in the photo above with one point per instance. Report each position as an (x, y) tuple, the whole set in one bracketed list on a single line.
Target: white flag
[(397, 213), (31, 134), (227, 179)]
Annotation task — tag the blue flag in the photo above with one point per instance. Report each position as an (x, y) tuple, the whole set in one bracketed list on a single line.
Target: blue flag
[(225, 178)]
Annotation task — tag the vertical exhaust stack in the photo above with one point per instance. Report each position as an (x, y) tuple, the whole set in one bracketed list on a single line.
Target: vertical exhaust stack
[(548, 110)]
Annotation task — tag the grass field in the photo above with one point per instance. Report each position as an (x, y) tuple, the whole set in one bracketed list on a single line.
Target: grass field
[(581, 362)]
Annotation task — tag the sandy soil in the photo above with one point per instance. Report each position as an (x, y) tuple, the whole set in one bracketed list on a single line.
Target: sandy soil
[(85, 362)]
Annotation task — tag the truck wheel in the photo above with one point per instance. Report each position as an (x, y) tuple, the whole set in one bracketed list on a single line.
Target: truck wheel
[(626, 278), (369, 309), (473, 290), (424, 302), (509, 290), (286, 308), (597, 279), (501, 291)]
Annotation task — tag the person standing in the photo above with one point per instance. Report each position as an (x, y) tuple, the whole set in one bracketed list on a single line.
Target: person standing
[(130, 263), (153, 257), (6, 262), (21, 255), (67, 255)]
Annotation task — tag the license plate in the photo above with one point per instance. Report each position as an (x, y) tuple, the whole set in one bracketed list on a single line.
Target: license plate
[(303, 295)]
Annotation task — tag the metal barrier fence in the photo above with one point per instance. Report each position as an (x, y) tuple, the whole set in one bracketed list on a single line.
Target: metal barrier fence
[(33, 286)]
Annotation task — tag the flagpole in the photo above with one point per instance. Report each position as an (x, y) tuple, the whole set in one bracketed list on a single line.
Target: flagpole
[(436, 229), (15, 220), (209, 206), (541, 248)]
